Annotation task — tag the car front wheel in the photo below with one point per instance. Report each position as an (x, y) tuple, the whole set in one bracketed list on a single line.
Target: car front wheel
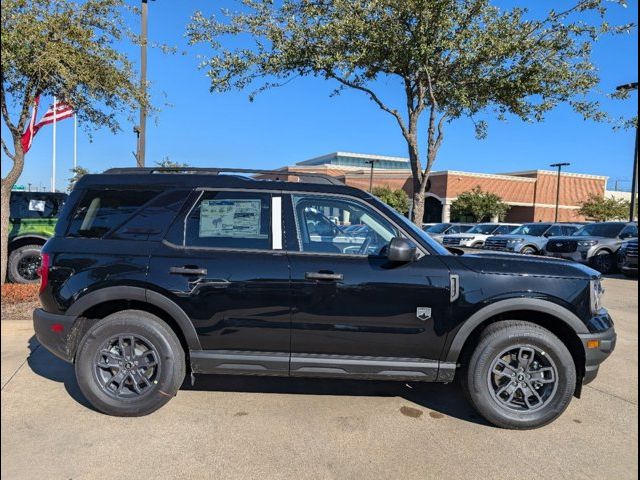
[(130, 364), (603, 261), (519, 376)]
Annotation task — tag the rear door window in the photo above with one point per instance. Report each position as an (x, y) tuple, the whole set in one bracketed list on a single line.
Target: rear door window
[(100, 210), (230, 220)]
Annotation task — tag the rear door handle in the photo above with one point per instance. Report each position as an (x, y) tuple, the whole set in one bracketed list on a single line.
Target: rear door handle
[(188, 271), (323, 276)]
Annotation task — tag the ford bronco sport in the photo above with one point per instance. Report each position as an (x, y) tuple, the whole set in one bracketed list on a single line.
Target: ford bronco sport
[(151, 276)]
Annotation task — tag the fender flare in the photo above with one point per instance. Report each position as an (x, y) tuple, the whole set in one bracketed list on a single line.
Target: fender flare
[(504, 306), (142, 295), (26, 236)]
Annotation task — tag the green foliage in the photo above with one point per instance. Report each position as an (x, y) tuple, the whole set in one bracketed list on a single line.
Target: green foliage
[(166, 162), (602, 209), (397, 199), (449, 58), (479, 205), (78, 173)]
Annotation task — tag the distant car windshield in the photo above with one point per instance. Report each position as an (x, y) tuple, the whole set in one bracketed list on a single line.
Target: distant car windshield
[(608, 230), (533, 229), (438, 228), (484, 228)]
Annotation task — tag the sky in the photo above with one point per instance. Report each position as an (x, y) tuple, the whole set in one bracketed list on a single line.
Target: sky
[(300, 120)]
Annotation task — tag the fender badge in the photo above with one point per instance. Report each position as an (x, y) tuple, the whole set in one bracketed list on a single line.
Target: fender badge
[(423, 313)]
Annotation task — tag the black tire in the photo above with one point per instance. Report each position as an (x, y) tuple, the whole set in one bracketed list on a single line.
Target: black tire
[(603, 261), (529, 250), (23, 263), (122, 390), (479, 385)]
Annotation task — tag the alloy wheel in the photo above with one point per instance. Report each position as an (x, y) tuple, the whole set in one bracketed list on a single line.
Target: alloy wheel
[(523, 378), (28, 267), (127, 366)]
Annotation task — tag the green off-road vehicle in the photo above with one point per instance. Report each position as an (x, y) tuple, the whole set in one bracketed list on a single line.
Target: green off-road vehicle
[(33, 220)]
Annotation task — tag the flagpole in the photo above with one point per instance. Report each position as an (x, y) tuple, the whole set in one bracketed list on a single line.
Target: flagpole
[(53, 156), (75, 141)]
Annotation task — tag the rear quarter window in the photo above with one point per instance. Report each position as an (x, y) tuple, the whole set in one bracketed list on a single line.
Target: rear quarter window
[(101, 210)]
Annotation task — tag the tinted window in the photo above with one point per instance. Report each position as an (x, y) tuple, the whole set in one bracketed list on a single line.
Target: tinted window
[(100, 211), (569, 230), (608, 230), (502, 229), (630, 231), (533, 229), (555, 231), (35, 205), (439, 228), (483, 228), (323, 223), (230, 220)]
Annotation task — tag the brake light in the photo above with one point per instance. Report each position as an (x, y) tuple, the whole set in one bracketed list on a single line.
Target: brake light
[(43, 271)]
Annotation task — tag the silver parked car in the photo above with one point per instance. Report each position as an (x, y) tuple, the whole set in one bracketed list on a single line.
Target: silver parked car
[(529, 238), (476, 236), (437, 231), (595, 244)]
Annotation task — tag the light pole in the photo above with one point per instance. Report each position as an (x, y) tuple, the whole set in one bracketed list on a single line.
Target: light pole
[(634, 176), (372, 163), (142, 127), (559, 165)]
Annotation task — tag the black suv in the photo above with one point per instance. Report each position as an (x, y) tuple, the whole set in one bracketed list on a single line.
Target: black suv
[(150, 276)]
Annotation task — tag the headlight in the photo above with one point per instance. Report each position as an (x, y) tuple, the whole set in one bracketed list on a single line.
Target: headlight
[(515, 240), (587, 243), (596, 295)]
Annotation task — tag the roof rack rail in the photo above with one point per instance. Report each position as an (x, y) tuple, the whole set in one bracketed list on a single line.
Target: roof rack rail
[(304, 177)]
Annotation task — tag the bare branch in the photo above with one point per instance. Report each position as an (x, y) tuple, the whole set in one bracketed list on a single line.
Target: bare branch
[(375, 98), (5, 112), (6, 151)]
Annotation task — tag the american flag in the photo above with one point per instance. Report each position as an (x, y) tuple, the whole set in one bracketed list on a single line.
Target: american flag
[(61, 111)]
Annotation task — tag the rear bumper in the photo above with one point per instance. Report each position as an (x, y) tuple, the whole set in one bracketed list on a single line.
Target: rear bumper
[(54, 332), (596, 354)]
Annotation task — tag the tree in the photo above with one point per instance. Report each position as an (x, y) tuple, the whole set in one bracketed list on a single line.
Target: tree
[(63, 48), (601, 209), (482, 206), (447, 58), (166, 162), (397, 199), (78, 173)]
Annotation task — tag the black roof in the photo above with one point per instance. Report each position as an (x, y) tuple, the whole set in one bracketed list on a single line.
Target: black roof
[(217, 178)]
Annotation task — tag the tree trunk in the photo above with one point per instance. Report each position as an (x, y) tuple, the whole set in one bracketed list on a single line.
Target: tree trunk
[(5, 193), (417, 216)]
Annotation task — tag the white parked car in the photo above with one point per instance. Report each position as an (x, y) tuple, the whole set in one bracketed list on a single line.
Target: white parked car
[(478, 234)]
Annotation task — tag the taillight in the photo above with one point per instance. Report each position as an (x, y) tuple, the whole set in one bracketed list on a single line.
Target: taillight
[(43, 271)]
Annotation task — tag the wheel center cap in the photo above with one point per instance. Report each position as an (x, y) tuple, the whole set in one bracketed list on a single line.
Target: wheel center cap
[(520, 377), (128, 365)]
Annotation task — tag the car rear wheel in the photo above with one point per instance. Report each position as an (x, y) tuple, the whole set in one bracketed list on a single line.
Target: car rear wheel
[(23, 263), (603, 261), (130, 364), (519, 376)]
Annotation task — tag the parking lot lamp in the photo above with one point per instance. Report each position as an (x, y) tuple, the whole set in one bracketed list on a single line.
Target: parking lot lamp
[(634, 176), (559, 165), (372, 163)]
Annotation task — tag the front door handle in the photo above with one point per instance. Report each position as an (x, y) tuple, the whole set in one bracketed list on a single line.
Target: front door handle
[(188, 271), (323, 276)]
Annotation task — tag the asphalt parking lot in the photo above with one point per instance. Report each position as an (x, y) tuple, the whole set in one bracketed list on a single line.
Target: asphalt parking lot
[(245, 427)]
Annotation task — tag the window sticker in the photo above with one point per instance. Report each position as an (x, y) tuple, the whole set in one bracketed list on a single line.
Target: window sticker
[(231, 218), (36, 205)]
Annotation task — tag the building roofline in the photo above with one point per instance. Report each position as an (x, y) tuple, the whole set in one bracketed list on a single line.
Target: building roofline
[(367, 156), (551, 172)]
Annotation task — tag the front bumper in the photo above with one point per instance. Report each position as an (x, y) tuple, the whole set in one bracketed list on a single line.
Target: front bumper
[(597, 347), (55, 333), (581, 256)]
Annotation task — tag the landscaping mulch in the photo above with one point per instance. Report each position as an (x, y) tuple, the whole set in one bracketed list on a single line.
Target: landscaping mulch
[(19, 301)]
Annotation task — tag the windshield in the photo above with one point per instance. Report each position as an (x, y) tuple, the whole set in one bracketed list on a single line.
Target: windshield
[(406, 223), (533, 229), (608, 230), (438, 228), (484, 228)]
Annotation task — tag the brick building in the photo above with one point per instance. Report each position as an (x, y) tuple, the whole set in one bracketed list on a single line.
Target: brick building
[(531, 194)]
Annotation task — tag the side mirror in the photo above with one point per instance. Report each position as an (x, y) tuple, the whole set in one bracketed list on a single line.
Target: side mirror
[(401, 250)]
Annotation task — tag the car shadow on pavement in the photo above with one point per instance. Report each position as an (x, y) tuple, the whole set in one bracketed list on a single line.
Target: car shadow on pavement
[(440, 399), (44, 363)]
